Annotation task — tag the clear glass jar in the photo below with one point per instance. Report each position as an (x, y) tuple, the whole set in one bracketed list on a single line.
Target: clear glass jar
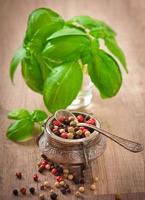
[(85, 95)]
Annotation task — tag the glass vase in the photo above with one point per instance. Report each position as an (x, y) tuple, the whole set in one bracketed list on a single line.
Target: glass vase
[(85, 95)]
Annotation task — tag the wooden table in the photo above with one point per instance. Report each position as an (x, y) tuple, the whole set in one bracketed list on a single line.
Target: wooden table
[(118, 170)]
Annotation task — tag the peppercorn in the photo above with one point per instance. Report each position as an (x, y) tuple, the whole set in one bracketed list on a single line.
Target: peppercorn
[(77, 194), (73, 123), (63, 190), (44, 156), (47, 166), (79, 132), (57, 184), (70, 135), (32, 190), (80, 118), (35, 177), (70, 177), (65, 175), (19, 175), (23, 191), (41, 196), (66, 186), (54, 171), (15, 192), (93, 187), (59, 178), (70, 129), (68, 190), (59, 169), (53, 196), (56, 123), (46, 184), (71, 118), (66, 122), (61, 183), (64, 135), (87, 133), (42, 187), (61, 119), (41, 168), (91, 121), (81, 189)]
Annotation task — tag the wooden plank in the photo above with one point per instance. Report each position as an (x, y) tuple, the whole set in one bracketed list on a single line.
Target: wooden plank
[(118, 170)]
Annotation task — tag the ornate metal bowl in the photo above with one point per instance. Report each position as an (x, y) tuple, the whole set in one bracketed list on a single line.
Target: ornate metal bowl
[(70, 151)]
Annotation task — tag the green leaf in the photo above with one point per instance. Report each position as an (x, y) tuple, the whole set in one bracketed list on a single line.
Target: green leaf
[(96, 27), (112, 45), (62, 86), (64, 49), (41, 23), (32, 74), (38, 116), (66, 32), (105, 74), (20, 130), (19, 55), (19, 114), (83, 20)]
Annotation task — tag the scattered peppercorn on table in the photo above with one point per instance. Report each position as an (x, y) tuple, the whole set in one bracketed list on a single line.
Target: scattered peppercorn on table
[(118, 174)]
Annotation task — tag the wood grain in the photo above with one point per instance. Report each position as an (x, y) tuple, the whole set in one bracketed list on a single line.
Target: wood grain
[(118, 170)]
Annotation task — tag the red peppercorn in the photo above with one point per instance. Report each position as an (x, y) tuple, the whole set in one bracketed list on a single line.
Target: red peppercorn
[(80, 118), (63, 135), (23, 191), (47, 166), (59, 178), (44, 162), (61, 119), (19, 175), (54, 171), (35, 177), (56, 123), (91, 121)]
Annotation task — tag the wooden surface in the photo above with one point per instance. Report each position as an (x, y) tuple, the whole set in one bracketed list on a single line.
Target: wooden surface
[(118, 170)]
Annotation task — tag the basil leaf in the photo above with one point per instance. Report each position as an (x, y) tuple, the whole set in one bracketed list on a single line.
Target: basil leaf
[(64, 49), (32, 74), (105, 74), (86, 21), (66, 32), (62, 86), (112, 45), (38, 116), (20, 130), (19, 55), (19, 114), (39, 21)]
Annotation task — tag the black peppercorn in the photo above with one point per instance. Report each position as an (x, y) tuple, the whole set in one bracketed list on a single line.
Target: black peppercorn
[(44, 156), (81, 181), (53, 196), (68, 190), (15, 192), (63, 190), (32, 190)]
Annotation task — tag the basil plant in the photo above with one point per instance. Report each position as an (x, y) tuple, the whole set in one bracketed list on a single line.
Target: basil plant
[(54, 53)]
